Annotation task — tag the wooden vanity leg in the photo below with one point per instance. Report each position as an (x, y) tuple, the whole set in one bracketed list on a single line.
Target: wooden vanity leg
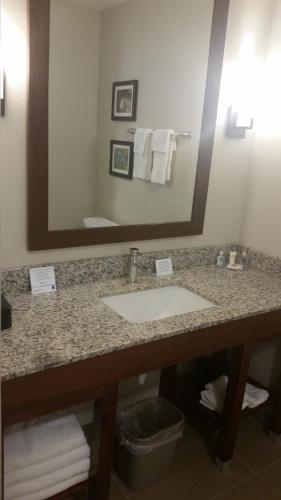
[(167, 382), (239, 366), (104, 427), (275, 424)]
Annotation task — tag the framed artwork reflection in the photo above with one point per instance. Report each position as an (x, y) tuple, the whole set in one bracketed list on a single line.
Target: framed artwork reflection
[(121, 159), (124, 100)]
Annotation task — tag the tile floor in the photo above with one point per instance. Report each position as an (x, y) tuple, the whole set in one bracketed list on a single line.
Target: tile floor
[(255, 473)]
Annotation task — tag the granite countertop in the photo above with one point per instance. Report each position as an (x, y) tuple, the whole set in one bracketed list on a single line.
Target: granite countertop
[(72, 324)]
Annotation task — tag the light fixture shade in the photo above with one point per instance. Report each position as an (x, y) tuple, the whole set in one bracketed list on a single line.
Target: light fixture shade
[(238, 123)]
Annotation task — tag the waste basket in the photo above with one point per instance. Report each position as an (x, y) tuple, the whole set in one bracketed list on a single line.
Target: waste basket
[(147, 438)]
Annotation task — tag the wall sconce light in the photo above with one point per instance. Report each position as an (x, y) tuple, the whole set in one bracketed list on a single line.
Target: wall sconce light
[(2, 92), (238, 123)]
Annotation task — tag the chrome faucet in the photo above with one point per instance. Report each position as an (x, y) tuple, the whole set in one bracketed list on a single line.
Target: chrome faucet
[(134, 253)]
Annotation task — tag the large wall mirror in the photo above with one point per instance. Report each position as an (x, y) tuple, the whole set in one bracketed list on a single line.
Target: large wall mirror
[(123, 100)]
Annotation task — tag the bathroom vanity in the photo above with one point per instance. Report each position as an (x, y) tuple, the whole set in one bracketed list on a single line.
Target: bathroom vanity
[(69, 347)]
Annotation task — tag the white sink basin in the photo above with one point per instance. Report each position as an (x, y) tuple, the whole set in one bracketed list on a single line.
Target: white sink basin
[(158, 303)]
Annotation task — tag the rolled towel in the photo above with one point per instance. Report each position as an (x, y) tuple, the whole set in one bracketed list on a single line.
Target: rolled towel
[(27, 488), (39, 440), (37, 470), (54, 489)]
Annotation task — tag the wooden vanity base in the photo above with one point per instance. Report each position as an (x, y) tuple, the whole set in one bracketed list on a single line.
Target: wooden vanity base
[(96, 379)]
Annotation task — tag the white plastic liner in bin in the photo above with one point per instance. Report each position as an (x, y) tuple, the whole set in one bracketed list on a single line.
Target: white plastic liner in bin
[(147, 425)]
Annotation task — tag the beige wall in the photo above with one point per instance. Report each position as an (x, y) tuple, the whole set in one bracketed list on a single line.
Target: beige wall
[(165, 46), (73, 83), (229, 173), (263, 210)]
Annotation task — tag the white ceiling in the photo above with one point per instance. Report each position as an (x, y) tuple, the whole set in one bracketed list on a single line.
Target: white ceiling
[(98, 4)]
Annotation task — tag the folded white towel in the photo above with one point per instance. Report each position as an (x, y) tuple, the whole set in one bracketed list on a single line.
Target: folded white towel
[(40, 469), (219, 385), (214, 395), (38, 440), (142, 154), (54, 489), (163, 145), (255, 396), (215, 401), (46, 481)]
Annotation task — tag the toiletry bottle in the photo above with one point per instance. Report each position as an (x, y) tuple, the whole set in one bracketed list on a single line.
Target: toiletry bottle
[(244, 260), (220, 259), (232, 258)]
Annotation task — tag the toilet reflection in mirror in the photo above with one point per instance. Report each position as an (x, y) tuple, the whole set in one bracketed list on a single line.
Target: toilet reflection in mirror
[(93, 47)]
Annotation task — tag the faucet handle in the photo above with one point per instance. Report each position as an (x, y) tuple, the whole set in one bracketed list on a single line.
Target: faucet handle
[(134, 251)]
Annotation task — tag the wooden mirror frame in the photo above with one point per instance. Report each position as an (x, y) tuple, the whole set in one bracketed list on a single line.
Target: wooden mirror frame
[(39, 235)]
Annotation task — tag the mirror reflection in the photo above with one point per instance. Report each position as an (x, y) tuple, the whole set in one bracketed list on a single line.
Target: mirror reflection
[(126, 92)]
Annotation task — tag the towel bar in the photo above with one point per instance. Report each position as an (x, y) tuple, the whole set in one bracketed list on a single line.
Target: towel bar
[(184, 133)]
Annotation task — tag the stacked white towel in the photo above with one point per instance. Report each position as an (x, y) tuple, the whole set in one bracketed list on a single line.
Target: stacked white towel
[(163, 146), (214, 395), (44, 457), (142, 154)]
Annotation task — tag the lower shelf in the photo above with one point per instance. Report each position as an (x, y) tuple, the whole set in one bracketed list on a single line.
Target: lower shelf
[(248, 411)]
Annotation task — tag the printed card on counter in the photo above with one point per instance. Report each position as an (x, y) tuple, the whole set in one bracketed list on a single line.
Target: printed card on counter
[(164, 267), (42, 279)]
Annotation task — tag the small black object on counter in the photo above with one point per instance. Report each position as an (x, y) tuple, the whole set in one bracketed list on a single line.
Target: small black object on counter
[(6, 313)]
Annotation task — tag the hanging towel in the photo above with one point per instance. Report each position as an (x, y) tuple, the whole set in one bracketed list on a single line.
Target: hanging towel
[(142, 154), (163, 146), (38, 440), (26, 488), (54, 489), (36, 470)]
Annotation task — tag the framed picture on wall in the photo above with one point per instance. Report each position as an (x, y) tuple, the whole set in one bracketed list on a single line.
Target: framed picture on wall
[(124, 100), (121, 159)]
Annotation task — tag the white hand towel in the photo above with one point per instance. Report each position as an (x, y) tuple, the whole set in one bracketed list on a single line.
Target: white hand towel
[(46, 481), (142, 154), (38, 440), (54, 489), (161, 140), (163, 145), (40, 469), (140, 139)]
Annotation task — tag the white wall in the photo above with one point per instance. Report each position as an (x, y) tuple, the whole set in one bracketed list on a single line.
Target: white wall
[(165, 46), (262, 228), (73, 97), (230, 165)]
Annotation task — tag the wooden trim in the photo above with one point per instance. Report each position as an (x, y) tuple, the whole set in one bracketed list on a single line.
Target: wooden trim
[(39, 236)]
